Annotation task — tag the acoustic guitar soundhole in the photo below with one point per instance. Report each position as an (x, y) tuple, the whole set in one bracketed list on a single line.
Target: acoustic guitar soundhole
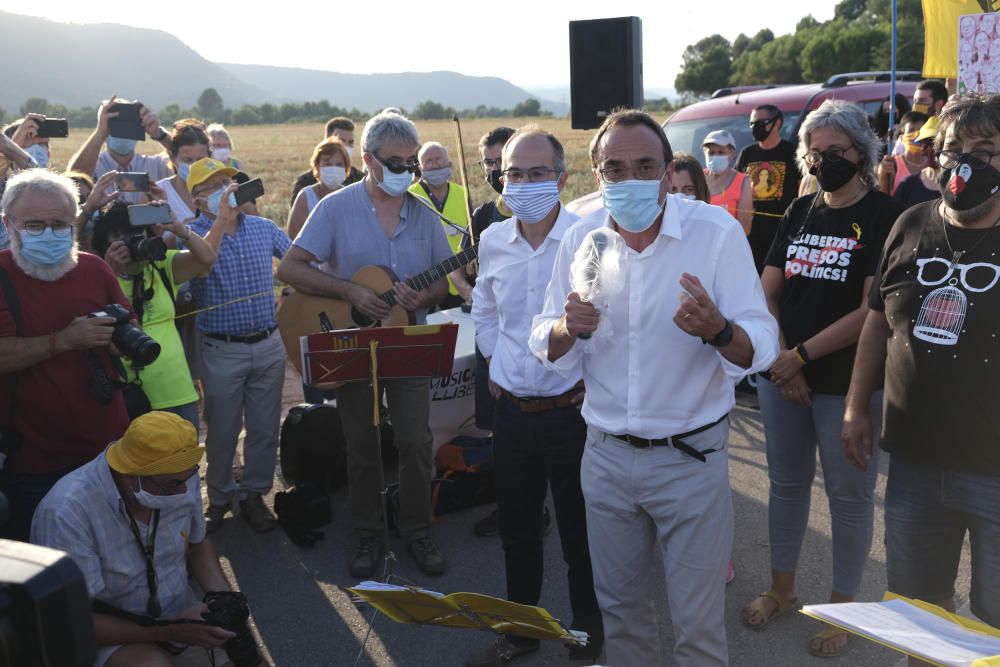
[(362, 320)]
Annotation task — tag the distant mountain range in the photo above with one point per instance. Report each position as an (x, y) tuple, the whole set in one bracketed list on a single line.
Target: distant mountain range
[(81, 64)]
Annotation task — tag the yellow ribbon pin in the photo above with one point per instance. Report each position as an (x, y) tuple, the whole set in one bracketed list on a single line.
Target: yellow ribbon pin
[(857, 230)]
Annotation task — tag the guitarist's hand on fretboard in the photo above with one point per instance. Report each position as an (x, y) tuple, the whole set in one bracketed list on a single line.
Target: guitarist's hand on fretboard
[(407, 297), (368, 302)]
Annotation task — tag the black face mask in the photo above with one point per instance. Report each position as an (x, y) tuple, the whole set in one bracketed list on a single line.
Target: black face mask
[(493, 178), (761, 129), (964, 188), (834, 174)]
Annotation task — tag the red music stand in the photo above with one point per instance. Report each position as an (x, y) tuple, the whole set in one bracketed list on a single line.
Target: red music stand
[(334, 358)]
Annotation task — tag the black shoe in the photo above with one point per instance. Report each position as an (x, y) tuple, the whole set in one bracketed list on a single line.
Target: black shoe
[(366, 558), (499, 652), (486, 527), (428, 557), (214, 517)]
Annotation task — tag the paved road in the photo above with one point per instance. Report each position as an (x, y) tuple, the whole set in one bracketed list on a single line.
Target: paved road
[(306, 619)]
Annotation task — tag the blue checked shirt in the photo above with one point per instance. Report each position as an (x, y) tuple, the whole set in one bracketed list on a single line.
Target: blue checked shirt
[(244, 268)]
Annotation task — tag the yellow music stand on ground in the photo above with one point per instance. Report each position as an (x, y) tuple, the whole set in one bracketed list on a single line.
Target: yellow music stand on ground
[(469, 611)]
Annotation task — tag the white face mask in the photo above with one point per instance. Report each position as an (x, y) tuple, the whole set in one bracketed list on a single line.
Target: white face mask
[(392, 184), (221, 154), (174, 501), (684, 195), (333, 176), (718, 163), (350, 151)]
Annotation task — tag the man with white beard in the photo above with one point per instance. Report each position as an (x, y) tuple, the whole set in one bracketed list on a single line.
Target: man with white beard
[(59, 407)]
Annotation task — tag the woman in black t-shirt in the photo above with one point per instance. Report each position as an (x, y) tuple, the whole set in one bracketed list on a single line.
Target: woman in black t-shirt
[(816, 280)]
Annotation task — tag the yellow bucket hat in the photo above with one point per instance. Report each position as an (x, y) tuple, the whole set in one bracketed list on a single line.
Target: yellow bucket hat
[(204, 169), (156, 443), (928, 131)]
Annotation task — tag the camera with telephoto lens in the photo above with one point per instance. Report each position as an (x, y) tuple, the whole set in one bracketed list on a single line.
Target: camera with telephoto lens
[(229, 610), (142, 247), (130, 340)]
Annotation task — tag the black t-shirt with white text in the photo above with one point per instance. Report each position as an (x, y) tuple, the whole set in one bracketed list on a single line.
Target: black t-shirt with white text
[(826, 254), (942, 381), (774, 181)]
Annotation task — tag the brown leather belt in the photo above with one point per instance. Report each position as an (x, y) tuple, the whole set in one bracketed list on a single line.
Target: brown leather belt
[(543, 403)]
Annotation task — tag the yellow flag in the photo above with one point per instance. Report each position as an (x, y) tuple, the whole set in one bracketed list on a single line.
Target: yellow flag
[(941, 33)]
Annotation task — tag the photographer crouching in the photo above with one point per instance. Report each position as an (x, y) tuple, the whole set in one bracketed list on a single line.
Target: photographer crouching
[(131, 519), (58, 408), (149, 273)]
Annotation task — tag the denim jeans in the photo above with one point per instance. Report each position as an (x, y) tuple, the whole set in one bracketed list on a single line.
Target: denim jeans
[(794, 433), (533, 451), (927, 514)]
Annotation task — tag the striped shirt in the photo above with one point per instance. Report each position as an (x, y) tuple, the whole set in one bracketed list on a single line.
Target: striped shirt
[(85, 516), (243, 270)]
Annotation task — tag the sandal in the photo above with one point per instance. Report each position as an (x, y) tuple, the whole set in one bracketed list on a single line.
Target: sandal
[(757, 607), (824, 635)]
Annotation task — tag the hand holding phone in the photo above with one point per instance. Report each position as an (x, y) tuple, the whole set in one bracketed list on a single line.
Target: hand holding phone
[(53, 128), (141, 215), (249, 191), (132, 181), (127, 124)]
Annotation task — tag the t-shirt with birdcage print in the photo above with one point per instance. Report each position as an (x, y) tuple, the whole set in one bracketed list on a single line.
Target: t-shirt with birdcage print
[(942, 375), (826, 254)]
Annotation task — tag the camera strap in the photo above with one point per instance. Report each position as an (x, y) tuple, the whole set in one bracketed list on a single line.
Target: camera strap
[(7, 439), (148, 549)]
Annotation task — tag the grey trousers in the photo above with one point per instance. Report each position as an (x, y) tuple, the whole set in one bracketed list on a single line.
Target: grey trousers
[(644, 504), (409, 409), (242, 385)]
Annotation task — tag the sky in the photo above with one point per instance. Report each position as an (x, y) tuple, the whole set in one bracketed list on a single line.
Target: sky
[(524, 42)]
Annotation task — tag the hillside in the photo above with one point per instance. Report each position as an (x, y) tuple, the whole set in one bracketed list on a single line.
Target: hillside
[(79, 65)]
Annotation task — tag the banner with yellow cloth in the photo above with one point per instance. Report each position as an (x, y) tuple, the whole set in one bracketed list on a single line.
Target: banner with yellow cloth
[(941, 33)]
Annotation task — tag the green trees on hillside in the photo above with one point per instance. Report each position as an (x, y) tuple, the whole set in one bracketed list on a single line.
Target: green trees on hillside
[(858, 38)]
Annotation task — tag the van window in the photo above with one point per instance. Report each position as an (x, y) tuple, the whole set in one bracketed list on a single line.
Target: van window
[(686, 136)]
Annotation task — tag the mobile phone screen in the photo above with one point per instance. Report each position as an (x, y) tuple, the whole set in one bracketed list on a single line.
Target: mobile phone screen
[(132, 181), (53, 128), (141, 215)]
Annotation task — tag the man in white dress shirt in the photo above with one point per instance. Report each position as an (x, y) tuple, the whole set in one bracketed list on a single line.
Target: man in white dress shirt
[(538, 433), (690, 320)]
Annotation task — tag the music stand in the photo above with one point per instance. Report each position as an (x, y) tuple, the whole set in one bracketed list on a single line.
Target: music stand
[(390, 353)]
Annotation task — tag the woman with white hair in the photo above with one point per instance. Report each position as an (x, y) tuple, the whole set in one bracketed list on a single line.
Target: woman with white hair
[(222, 146), (816, 280)]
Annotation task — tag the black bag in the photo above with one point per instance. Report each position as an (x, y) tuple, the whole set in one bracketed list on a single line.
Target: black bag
[(136, 401), (312, 448), (301, 510)]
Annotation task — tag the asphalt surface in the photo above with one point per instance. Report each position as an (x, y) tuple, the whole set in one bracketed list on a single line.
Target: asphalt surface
[(305, 618)]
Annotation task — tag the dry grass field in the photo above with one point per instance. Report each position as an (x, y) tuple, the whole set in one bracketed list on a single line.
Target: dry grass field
[(278, 153)]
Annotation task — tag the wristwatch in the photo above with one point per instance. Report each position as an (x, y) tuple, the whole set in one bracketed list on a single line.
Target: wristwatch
[(723, 338)]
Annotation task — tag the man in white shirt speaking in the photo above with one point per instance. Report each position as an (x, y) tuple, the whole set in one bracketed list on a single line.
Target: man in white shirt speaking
[(688, 321), (538, 433)]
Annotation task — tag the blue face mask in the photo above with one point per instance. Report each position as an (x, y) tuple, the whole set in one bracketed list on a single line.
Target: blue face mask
[(394, 184), (634, 205), (718, 163), (120, 146), (531, 202), (46, 249), (183, 169), (39, 153), (216, 197)]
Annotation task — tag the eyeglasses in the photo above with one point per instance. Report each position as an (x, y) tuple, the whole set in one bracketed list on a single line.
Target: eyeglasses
[(936, 270), (398, 166), (169, 486), (532, 175), (831, 154), (59, 229), (762, 122), (490, 164), (975, 159), (647, 170)]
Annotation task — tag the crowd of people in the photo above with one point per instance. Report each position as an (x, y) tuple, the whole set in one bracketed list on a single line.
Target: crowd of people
[(863, 307)]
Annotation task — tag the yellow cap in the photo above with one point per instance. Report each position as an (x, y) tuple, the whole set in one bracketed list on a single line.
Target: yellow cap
[(928, 131), (206, 168), (156, 443)]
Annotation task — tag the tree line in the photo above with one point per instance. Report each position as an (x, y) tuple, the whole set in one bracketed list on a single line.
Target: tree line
[(211, 108), (856, 39)]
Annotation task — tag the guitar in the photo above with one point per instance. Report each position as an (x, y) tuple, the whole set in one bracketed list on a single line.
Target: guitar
[(303, 314)]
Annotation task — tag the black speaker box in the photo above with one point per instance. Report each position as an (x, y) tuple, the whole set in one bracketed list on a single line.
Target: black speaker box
[(605, 64)]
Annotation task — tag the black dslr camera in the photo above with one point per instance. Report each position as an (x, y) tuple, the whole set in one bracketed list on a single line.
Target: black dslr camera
[(130, 340), (230, 610), (148, 248)]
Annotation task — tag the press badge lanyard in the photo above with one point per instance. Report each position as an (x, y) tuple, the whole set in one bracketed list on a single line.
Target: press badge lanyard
[(148, 549)]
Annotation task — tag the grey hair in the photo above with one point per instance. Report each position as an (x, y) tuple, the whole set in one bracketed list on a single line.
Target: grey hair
[(428, 146), (42, 181), (558, 153), (851, 119), (220, 129), (388, 128)]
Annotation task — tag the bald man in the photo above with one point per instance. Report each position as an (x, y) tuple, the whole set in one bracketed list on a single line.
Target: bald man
[(449, 199)]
